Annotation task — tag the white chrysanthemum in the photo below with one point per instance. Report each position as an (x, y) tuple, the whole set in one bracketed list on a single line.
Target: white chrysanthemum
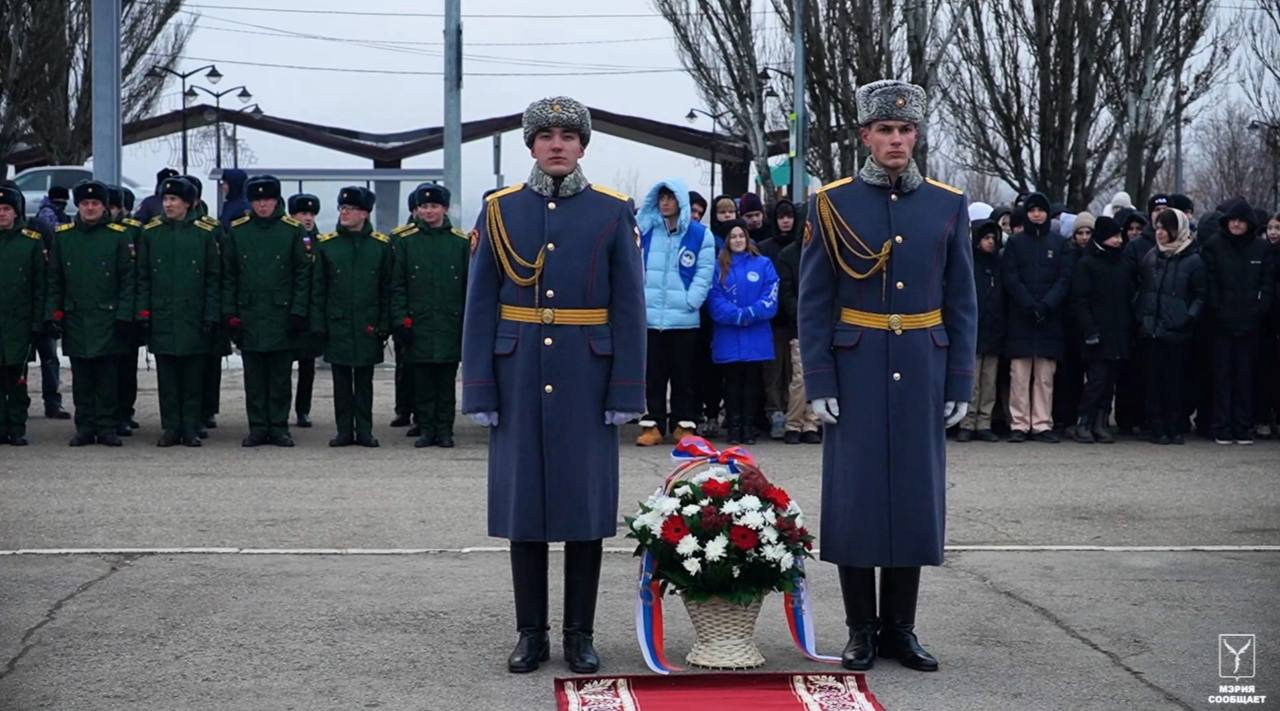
[(693, 565), (769, 534), (770, 517), (800, 521), (690, 510), (667, 505), (731, 507), (773, 552), (752, 519), (704, 502), (651, 520), (688, 545), (786, 562), (736, 571), (716, 547), (750, 503)]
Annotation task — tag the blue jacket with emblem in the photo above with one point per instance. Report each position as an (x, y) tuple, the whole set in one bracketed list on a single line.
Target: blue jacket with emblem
[(670, 304), (742, 304)]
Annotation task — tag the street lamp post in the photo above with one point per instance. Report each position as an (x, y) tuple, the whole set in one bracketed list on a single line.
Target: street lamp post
[(213, 75), (244, 96), (1272, 139), (715, 118), (252, 110)]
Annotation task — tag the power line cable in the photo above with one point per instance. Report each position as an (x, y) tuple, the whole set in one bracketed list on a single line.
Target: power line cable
[(405, 72)]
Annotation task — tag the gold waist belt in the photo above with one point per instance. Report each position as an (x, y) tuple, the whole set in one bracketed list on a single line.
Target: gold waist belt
[(891, 322), (556, 317)]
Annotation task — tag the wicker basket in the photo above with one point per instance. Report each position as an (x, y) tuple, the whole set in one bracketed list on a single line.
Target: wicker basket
[(724, 634)]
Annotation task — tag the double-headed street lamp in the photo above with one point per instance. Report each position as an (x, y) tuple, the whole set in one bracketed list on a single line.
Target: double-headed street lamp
[(252, 110), (213, 76), (715, 118), (244, 96)]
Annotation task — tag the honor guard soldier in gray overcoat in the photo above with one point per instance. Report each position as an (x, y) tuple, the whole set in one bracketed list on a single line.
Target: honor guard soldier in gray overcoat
[(553, 362), (888, 322)]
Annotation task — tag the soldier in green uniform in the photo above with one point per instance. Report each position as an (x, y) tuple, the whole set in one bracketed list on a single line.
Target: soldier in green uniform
[(220, 338), (405, 416), (127, 371), (90, 294), (351, 310), (304, 207), (427, 293), (178, 272), (22, 281), (265, 286)]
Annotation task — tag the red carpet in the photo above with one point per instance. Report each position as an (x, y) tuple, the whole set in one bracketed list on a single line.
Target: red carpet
[(713, 692)]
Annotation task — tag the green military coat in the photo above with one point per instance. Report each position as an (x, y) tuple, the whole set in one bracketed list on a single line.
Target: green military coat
[(309, 344), (351, 295), (22, 282), (178, 271), (429, 286), (90, 285), (220, 337), (266, 274)]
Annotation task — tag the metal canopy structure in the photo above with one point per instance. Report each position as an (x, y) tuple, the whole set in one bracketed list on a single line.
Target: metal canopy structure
[(388, 150)]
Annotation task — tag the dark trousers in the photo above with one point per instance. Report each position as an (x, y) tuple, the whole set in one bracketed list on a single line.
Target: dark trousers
[(777, 373), (14, 401), (353, 399), (1233, 363), (1130, 386), (1200, 380), (93, 390), (671, 360), (1267, 401), (1099, 387), (742, 391), (1166, 386), (581, 584), (1068, 388), (435, 398), (405, 392), (180, 380), (306, 384), (268, 386), (50, 373), (211, 387), (708, 377), (127, 385)]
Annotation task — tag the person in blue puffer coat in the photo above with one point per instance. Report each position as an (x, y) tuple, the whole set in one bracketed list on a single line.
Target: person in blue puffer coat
[(679, 258), (743, 298)]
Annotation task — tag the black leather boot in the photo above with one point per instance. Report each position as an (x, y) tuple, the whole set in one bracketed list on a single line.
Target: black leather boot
[(1101, 432), (899, 588), (858, 586), (529, 580), (1083, 432), (581, 584)]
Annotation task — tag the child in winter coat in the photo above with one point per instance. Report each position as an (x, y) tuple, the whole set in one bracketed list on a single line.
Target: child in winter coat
[(744, 298), (1102, 296), (986, 272)]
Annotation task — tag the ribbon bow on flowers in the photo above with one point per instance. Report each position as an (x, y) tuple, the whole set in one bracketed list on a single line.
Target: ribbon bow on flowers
[(692, 448)]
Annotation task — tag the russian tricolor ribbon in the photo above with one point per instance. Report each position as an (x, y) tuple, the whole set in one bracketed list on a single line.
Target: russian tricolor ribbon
[(693, 448)]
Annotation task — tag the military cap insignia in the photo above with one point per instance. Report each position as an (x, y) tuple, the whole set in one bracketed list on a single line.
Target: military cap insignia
[(901, 102), (30, 233), (555, 108), (65, 226), (239, 221), (475, 240)]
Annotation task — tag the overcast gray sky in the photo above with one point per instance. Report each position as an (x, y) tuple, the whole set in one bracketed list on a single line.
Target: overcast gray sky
[(229, 31)]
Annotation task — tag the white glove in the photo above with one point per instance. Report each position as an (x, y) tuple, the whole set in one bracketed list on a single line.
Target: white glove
[(613, 418), (827, 409), (953, 412), (484, 419)]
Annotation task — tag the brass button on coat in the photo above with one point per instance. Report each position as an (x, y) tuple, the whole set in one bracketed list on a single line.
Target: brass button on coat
[(547, 341), (896, 377), (551, 293), (548, 389)]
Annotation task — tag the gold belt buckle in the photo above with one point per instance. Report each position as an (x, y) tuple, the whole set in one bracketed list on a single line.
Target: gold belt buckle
[(548, 316), (895, 323)]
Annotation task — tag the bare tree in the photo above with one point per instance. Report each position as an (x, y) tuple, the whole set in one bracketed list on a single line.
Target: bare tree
[(723, 46), (1229, 159), (1261, 63)]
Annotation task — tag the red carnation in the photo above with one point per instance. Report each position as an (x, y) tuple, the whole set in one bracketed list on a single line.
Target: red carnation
[(234, 321), (713, 520), (716, 489), (753, 482), (57, 315), (368, 330), (144, 314), (407, 323), (673, 529), (777, 496), (743, 538)]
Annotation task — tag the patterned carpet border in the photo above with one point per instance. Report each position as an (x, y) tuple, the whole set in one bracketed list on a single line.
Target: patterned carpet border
[(712, 692)]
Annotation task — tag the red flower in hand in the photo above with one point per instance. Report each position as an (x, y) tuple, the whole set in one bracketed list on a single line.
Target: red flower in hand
[(408, 322), (777, 496), (716, 489), (743, 538), (144, 314), (57, 315), (234, 322), (368, 330), (713, 520), (673, 529)]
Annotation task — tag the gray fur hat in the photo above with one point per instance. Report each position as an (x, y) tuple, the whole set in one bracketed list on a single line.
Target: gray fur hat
[(890, 100), (557, 112)]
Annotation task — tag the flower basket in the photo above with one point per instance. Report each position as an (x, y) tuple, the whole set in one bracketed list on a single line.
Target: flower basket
[(724, 634)]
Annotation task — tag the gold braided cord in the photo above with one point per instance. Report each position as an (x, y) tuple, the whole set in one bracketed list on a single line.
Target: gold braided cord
[(891, 322), (831, 223), (506, 251)]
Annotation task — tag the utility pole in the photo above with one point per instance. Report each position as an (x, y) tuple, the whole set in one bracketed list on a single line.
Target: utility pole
[(453, 105), (105, 48), (1178, 89), (800, 114)]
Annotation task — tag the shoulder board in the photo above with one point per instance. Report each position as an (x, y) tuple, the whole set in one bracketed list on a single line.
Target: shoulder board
[(381, 237), (459, 233), (208, 220), (131, 222), (155, 222), (402, 228), (117, 227), (326, 236), (204, 225), (239, 221), (836, 184), (287, 220), (413, 230), (65, 226), (505, 191), (944, 186), (610, 193), (30, 233)]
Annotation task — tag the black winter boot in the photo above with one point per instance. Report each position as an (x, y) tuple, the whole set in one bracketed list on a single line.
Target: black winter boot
[(529, 580), (1102, 433), (858, 586), (1082, 432), (581, 584), (899, 589)]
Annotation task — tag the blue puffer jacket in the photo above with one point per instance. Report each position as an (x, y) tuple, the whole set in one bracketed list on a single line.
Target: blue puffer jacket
[(741, 307), (669, 305)]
